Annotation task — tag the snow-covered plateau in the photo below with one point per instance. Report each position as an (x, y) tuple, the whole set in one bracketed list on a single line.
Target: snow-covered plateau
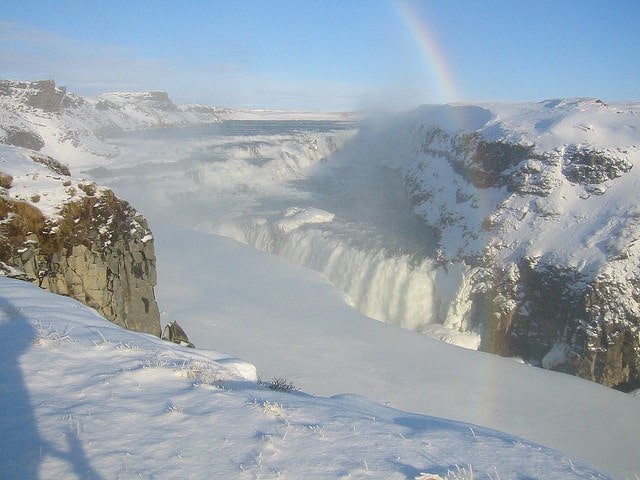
[(498, 227)]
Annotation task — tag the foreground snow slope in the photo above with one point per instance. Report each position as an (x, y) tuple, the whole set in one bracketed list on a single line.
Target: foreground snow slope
[(291, 322), (82, 398)]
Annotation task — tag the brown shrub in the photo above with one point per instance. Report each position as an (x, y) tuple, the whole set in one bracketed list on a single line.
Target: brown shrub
[(89, 188), (5, 180), (80, 222), (17, 220), (26, 219)]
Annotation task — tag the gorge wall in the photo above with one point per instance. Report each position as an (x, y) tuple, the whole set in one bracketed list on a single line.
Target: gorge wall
[(547, 235), (66, 235), (94, 247)]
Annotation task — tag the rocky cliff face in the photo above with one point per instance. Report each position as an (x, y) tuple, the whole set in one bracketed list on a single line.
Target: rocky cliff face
[(553, 316), (69, 236), (76, 239), (539, 210)]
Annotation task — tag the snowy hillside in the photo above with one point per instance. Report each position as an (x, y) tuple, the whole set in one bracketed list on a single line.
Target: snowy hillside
[(326, 196), (528, 205), (536, 203), (45, 117), (84, 399)]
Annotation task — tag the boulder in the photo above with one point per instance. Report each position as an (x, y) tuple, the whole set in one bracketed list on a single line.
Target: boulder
[(174, 333)]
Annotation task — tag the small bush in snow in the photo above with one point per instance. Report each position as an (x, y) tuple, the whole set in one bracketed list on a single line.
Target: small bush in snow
[(89, 188), (47, 335), (173, 407), (203, 373), (5, 180), (275, 409), (280, 384)]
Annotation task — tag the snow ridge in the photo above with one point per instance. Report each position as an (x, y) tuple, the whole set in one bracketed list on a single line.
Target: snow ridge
[(70, 127)]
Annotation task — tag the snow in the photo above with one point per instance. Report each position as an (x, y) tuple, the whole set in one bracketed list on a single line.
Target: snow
[(292, 323), (83, 398), (166, 410), (37, 184), (290, 115), (556, 356), (295, 217)]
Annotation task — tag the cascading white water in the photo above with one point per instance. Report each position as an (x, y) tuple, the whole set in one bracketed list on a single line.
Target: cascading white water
[(393, 289), (405, 290), (326, 201)]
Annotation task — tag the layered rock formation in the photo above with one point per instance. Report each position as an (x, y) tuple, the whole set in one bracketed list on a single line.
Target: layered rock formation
[(89, 244), (545, 229)]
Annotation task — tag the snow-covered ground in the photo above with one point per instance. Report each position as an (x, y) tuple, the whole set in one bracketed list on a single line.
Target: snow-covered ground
[(291, 323), (83, 398)]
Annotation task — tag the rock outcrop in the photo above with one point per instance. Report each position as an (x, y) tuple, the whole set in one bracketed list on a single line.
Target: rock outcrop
[(174, 333), (547, 236), (555, 317), (96, 248)]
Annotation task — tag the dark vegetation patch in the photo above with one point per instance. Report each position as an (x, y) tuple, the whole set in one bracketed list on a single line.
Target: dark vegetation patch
[(81, 222), (52, 163)]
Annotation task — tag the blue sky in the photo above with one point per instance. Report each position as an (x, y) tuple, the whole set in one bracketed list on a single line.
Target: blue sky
[(328, 54)]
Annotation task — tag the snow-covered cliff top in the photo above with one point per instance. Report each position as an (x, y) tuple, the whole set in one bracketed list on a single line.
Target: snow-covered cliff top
[(68, 126), (566, 190)]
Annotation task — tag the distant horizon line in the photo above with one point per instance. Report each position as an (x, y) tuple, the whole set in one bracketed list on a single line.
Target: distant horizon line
[(315, 110)]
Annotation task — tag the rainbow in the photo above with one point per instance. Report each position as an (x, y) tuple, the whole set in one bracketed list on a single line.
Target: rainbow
[(435, 60), (487, 384)]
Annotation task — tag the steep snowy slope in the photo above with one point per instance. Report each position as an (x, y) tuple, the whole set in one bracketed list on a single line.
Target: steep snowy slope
[(82, 398), (45, 117)]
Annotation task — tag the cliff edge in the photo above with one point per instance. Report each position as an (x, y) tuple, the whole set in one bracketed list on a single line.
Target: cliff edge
[(76, 239)]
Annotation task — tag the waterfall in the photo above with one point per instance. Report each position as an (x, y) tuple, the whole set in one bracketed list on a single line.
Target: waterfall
[(324, 197), (406, 290)]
